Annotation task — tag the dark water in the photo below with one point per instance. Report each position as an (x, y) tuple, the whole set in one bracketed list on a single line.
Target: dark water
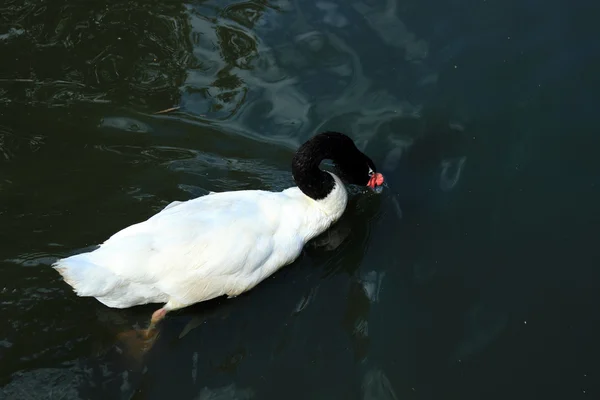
[(474, 276)]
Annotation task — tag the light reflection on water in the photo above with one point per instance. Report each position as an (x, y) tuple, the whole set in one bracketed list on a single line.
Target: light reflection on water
[(370, 308), (221, 68)]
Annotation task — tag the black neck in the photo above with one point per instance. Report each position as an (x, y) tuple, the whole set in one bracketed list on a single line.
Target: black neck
[(311, 180)]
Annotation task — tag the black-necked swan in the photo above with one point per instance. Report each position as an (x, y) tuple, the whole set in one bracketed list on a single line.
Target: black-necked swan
[(222, 243)]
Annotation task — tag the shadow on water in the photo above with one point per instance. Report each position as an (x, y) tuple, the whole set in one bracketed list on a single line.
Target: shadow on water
[(253, 337)]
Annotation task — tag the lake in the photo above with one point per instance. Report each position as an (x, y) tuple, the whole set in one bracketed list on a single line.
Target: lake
[(474, 275)]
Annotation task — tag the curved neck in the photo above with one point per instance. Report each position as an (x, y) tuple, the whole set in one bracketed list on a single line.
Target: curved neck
[(311, 180)]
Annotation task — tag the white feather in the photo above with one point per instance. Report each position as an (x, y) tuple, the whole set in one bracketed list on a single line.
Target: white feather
[(219, 244)]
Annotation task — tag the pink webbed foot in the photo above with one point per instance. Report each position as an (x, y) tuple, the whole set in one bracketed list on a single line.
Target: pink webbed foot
[(157, 316), (141, 340)]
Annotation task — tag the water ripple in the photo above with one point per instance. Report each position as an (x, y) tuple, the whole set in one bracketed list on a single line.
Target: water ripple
[(41, 383), (12, 144), (219, 63), (79, 54), (33, 259)]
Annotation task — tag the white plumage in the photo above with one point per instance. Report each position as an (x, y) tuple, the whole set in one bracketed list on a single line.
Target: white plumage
[(192, 251), (222, 243)]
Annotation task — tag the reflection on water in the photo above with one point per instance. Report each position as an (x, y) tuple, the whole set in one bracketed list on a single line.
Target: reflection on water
[(12, 144), (376, 386), (126, 53), (258, 72), (110, 111), (219, 63)]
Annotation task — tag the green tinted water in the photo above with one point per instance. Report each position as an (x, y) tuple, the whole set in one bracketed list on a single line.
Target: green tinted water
[(473, 275)]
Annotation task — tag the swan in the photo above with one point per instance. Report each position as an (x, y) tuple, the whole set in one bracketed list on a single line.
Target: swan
[(222, 243)]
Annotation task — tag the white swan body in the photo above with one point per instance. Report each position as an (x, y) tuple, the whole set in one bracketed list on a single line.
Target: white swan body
[(222, 243), (192, 251)]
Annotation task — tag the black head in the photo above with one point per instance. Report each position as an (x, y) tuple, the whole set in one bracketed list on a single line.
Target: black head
[(351, 165)]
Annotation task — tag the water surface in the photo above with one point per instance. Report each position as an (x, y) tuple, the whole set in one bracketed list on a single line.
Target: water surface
[(473, 276)]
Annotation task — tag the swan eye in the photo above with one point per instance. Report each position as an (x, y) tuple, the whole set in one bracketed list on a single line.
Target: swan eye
[(371, 173)]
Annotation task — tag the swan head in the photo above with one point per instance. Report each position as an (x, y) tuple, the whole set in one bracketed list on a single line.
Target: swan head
[(351, 165)]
